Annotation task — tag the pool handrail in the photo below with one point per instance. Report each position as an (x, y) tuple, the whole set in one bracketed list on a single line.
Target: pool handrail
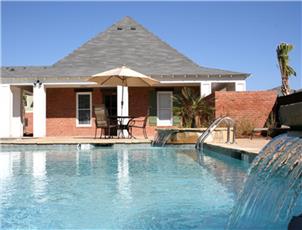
[(213, 126)]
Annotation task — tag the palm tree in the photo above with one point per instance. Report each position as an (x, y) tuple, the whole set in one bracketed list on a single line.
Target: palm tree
[(189, 106), (282, 54)]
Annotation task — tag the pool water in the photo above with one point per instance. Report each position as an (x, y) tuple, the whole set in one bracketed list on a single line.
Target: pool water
[(121, 187)]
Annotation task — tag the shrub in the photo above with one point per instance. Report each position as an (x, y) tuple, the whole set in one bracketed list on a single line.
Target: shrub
[(188, 105), (244, 128)]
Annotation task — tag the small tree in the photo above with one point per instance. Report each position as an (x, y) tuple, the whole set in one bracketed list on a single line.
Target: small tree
[(283, 60), (189, 106)]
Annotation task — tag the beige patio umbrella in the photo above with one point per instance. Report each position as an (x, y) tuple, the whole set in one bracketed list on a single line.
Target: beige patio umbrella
[(123, 76)]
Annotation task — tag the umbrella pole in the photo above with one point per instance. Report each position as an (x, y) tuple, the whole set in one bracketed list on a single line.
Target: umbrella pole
[(122, 105), (122, 102)]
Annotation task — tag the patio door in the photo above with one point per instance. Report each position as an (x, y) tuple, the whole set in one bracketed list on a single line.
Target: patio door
[(164, 108), (110, 100)]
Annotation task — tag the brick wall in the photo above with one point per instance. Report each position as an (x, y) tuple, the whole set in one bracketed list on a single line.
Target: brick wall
[(29, 126), (253, 106), (138, 107), (61, 113)]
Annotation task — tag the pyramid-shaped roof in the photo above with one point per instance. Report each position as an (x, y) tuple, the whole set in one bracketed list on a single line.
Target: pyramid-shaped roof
[(128, 43), (124, 43)]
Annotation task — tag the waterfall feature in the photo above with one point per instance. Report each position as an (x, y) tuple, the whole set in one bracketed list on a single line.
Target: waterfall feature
[(272, 188), (162, 137)]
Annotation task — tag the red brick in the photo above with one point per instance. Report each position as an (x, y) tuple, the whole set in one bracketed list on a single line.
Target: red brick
[(253, 106), (29, 127), (61, 113)]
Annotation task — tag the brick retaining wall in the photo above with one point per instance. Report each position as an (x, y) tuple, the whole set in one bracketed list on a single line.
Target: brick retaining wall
[(253, 106)]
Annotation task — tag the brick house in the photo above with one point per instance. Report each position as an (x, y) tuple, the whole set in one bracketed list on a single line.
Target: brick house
[(58, 90)]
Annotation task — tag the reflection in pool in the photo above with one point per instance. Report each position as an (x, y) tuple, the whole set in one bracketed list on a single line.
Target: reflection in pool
[(137, 187)]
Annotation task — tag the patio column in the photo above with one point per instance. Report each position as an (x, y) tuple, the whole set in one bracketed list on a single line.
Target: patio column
[(205, 89), (123, 111), (39, 110), (16, 118), (5, 115), (11, 111)]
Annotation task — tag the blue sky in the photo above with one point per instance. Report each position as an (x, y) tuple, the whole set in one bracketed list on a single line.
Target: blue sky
[(234, 36)]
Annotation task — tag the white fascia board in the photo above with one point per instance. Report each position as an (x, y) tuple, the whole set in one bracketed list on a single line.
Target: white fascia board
[(57, 84), (198, 82), (70, 84), (179, 82)]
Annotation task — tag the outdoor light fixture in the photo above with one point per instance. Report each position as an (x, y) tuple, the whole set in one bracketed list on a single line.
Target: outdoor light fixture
[(37, 83)]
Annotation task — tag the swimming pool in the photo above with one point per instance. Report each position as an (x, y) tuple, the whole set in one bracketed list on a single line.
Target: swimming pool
[(120, 187)]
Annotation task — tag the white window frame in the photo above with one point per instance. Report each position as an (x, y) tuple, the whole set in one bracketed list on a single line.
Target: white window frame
[(77, 109), (157, 115)]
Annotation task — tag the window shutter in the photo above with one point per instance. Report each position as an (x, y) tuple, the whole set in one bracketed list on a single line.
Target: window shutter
[(176, 120), (152, 108)]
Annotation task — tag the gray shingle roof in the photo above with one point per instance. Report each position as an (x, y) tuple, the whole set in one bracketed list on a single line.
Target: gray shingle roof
[(124, 43)]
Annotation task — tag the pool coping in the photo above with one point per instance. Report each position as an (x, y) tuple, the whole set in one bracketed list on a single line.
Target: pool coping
[(70, 141), (236, 153), (232, 151)]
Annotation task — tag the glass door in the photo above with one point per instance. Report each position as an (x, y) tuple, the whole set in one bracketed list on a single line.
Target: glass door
[(164, 108)]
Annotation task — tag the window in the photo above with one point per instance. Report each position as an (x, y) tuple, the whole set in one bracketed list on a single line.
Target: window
[(83, 109)]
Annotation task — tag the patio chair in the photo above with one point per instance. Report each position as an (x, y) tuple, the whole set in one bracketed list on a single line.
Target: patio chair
[(140, 124), (102, 121)]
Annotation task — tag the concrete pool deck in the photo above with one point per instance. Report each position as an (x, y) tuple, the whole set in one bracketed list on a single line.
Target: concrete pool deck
[(244, 144), (247, 145)]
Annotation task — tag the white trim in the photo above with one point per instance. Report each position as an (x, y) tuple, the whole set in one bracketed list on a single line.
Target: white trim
[(179, 82), (200, 81), (61, 84), (6, 111), (240, 86), (157, 112), (205, 88), (71, 83), (77, 109), (16, 118)]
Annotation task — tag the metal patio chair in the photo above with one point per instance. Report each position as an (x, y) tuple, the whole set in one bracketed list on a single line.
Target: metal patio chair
[(140, 124), (102, 121)]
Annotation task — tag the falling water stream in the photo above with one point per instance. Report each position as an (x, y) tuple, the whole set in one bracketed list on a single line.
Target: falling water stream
[(162, 137), (272, 188)]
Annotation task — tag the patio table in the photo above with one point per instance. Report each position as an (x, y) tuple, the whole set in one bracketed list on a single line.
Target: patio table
[(121, 125)]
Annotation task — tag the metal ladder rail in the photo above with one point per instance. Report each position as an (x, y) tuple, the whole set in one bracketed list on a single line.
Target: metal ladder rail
[(213, 126), (207, 132)]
